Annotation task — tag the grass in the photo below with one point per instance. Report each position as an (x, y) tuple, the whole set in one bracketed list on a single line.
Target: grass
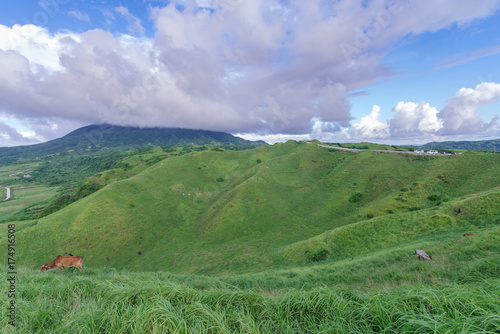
[(268, 241), (26, 195), (369, 235), (221, 213), (111, 301)]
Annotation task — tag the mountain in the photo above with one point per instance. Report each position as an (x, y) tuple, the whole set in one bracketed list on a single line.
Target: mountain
[(482, 145), (227, 212), (105, 137)]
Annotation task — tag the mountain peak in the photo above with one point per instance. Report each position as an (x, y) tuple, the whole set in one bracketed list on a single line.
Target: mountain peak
[(96, 137)]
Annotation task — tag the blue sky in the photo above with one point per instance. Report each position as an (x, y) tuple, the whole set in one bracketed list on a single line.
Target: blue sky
[(396, 71)]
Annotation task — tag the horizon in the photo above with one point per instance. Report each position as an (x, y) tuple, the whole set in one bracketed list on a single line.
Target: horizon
[(267, 143), (389, 72)]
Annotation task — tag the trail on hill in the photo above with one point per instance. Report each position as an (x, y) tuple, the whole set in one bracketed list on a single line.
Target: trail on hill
[(342, 148), (8, 194), (385, 151)]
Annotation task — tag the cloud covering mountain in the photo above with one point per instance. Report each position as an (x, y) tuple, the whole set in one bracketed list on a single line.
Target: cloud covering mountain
[(250, 67)]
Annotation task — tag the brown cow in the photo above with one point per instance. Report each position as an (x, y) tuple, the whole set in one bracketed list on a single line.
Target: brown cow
[(468, 235), (63, 261)]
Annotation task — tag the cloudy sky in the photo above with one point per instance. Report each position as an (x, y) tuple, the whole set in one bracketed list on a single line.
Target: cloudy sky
[(387, 71)]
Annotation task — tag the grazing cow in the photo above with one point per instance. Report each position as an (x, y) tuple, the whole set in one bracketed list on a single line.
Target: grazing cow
[(63, 261), (468, 235), (422, 254)]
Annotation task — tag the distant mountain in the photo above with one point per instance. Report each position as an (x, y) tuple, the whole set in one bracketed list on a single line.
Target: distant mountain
[(105, 137), (482, 145)]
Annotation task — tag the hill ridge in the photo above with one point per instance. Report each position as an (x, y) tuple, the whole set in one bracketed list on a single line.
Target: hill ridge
[(105, 137), (301, 192), (479, 145)]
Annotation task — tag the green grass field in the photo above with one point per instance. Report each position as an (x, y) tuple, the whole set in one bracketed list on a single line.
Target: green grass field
[(25, 194), (386, 291), (241, 212), (291, 237)]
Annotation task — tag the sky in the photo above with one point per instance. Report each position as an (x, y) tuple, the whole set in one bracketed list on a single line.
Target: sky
[(384, 71)]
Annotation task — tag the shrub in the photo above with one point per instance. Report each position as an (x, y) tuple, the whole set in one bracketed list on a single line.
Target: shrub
[(216, 149), (318, 255), (87, 189), (57, 204), (356, 197), (168, 149), (370, 216), (434, 198)]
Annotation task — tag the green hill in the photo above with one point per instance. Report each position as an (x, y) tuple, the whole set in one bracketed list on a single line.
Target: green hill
[(480, 145), (93, 139), (288, 238), (232, 212)]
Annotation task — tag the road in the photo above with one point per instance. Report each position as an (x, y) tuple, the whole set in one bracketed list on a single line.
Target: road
[(384, 151)]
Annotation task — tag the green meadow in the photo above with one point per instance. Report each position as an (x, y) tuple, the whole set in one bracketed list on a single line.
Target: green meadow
[(26, 196), (288, 238)]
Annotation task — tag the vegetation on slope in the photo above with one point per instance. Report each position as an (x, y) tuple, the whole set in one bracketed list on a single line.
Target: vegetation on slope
[(77, 176), (480, 145), (457, 292), (326, 239), (226, 212), (458, 217)]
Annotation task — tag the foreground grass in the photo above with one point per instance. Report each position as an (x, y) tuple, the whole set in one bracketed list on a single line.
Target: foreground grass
[(107, 301), (387, 291)]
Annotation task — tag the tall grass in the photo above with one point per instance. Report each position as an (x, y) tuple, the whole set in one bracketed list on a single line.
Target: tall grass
[(114, 302)]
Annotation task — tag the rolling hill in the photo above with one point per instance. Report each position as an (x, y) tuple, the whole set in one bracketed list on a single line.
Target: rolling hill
[(106, 138), (271, 207), (291, 237)]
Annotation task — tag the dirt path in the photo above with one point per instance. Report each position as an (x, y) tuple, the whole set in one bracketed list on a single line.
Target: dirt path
[(342, 148), (8, 194), (384, 151)]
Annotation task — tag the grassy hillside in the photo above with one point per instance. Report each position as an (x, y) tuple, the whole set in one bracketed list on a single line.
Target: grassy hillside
[(385, 291), (239, 212), (289, 238)]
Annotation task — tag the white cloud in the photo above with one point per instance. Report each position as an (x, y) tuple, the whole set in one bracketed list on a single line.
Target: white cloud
[(273, 138), (84, 17), (370, 126), (414, 120), (460, 114), (10, 136), (263, 66), (419, 122), (35, 44), (134, 25)]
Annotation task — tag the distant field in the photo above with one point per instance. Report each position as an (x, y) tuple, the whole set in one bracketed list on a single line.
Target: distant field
[(7, 171), (24, 196), (24, 192)]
